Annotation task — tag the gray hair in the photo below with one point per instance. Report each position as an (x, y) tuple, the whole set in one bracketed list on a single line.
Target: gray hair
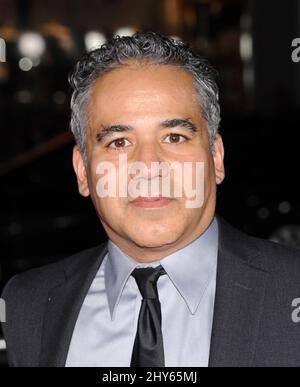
[(148, 48)]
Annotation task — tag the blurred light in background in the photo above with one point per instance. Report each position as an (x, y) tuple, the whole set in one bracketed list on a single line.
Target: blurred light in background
[(284, 207), (60, 32), (246, 54), (24, 96), (288, 235), (246, 50), (175, 37), (2, 345), (31, 45), (59, 97), (124, 31), (25, 64), (93, 39), (263, 213)]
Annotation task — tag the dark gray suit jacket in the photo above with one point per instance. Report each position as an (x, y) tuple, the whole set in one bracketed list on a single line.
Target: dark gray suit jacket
[(257, 281)]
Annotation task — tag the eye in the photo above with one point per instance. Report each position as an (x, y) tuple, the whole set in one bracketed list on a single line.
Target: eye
[(118, 143), (175, 138)]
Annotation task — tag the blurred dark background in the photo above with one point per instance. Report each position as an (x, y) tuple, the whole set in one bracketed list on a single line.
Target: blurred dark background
[(42, 216)]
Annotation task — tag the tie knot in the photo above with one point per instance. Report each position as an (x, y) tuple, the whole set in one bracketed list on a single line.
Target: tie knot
[(146, 279)]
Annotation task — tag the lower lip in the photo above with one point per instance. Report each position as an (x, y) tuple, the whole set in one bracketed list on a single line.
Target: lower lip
[(151, 203)]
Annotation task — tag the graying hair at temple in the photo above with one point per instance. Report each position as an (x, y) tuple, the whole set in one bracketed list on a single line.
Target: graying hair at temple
[(144, 48)]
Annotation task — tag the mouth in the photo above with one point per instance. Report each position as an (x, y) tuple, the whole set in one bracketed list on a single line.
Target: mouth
[(151, 202)]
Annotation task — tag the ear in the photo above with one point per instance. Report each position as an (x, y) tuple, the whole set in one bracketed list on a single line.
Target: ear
[(79, 168), (219, 159)]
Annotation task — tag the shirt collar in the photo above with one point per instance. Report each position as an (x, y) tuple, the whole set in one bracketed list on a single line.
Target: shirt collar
[(190, 269)]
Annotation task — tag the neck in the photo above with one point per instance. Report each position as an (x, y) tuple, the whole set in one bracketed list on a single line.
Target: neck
[(156, 253)]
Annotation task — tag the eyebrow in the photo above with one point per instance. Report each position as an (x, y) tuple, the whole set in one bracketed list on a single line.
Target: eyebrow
[(171, 123), (179, 122), (107, 130)]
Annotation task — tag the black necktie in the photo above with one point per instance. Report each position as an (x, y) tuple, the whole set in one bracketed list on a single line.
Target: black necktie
[(148, 350)]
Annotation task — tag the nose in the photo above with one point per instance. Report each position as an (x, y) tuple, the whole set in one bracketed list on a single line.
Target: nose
[(147, 153)]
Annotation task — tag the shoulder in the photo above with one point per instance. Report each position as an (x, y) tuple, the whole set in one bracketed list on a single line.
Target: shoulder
[(281, 260), (264, 254), (25, 297), (31, 284)]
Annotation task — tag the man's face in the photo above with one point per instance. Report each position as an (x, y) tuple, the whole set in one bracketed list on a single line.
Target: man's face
[(149, 114)]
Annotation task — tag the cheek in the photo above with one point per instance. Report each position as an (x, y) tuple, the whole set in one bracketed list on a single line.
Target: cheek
[(110, 210), (199, 163)]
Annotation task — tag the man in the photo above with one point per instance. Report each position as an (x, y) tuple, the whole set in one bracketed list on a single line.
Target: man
[(175, 285)]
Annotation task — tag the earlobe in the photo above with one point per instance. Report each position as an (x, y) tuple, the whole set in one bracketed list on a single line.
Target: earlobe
[(80, 170), (219, 159)]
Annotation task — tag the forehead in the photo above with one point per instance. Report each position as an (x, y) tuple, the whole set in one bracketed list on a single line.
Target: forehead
[(143, 90)]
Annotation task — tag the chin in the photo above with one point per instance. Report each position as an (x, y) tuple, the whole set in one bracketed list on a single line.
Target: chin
[(154, 238), (153, 244)]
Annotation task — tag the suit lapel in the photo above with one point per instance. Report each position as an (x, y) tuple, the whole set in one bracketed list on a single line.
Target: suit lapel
[(239, 300), (63, 305)]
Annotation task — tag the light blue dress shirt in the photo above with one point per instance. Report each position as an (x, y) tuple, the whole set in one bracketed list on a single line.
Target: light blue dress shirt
[(106, 326)]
